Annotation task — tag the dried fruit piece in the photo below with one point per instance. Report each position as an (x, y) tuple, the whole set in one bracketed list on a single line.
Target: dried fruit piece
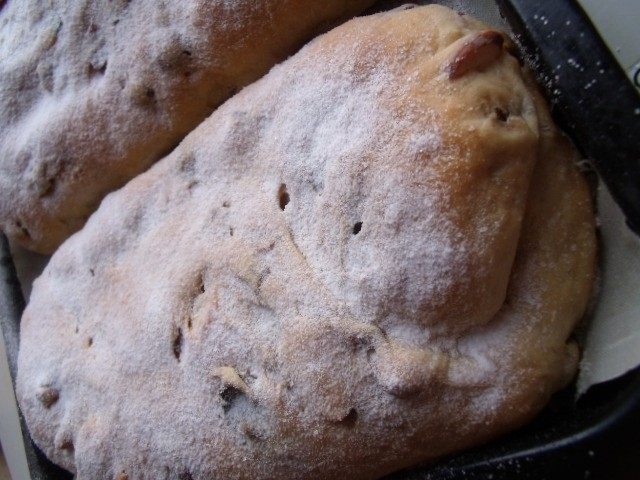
[(48, 396)]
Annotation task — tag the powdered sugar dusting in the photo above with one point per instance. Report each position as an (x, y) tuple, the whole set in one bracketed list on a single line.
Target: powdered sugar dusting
[(91, 94), (327, 261)]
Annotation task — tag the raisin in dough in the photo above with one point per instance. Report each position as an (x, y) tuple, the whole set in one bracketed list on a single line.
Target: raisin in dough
[(372, 257), (92, 93)]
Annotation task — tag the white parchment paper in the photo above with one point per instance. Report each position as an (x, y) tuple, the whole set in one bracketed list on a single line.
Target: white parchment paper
[(612, 345)]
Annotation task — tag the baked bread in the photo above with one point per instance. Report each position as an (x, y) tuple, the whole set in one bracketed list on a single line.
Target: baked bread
[(92, 93), (372, 257)]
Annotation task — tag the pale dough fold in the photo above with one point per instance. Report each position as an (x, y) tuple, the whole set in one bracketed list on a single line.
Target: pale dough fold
[(372, 257), (93, 92)]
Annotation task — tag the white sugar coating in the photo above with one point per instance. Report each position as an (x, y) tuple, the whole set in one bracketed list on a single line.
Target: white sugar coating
[(356, 264), (92, 93)]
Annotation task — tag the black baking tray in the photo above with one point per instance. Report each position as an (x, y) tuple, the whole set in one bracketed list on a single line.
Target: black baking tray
[(598, 436)]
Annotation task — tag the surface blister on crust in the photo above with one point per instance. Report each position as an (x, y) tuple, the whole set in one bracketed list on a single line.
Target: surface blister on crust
[(350, 260)]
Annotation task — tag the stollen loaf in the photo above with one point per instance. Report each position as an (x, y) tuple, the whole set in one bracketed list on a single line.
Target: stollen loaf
[(93, 92), (372, 257)]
